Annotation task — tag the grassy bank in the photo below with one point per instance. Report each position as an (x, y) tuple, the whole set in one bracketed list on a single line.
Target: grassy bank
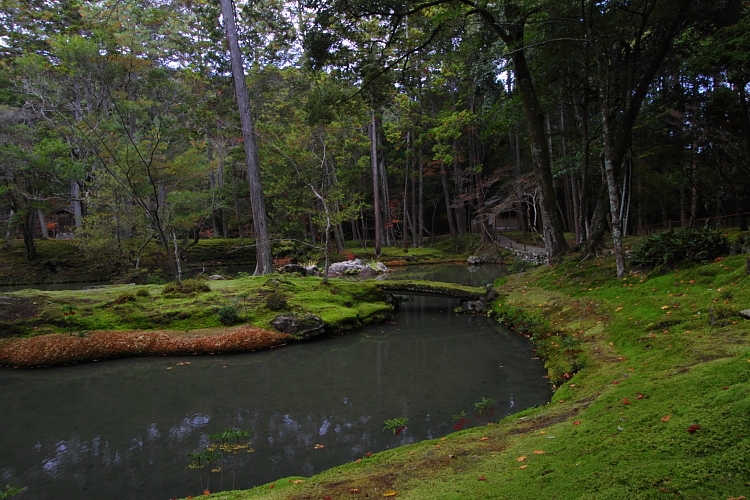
[(210, 306), (652, 400)]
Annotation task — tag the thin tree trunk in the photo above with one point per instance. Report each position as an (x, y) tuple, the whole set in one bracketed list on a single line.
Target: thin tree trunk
[(264, 259), (75, 203), (375, 190), (448, 211), (42, 224)]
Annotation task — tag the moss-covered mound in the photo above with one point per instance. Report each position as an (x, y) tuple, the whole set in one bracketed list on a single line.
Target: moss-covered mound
[(341, 305)]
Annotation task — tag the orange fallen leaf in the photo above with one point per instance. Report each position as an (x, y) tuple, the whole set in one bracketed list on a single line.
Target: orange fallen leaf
[(640, 396), (523, 466), (521, 459), (615, 382), (482, 478), (319, 446), (272, 485), (625, 401), (538, 452), (577, 422), (389, 493), (298, 481), (665, 418), (483, 438), (354, 490)]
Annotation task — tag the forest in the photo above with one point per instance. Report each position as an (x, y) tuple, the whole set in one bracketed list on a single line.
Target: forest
[(125, 123)]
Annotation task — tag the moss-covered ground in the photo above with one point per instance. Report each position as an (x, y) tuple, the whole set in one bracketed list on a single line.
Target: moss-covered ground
[(652, 401), (340, 304)]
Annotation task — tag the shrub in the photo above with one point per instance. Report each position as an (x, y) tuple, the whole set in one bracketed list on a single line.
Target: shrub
[(187, 287), (520, 265), (275, 301), (124, 297), (142, 292), (682, 244), (228, 315)]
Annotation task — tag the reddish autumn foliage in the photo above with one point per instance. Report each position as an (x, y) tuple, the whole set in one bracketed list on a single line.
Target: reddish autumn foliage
[(693, 428), (45, 350)]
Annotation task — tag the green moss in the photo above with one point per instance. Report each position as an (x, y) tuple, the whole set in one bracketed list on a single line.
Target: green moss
[(653, 367)]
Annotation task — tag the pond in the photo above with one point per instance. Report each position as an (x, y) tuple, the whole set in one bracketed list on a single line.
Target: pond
[(123, 429)]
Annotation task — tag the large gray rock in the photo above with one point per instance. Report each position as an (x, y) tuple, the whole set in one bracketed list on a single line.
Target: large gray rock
[(302, 326), (745, 313), (357, 267)]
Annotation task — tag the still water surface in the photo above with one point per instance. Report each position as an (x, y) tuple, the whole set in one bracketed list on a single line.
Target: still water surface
[(123, 429)]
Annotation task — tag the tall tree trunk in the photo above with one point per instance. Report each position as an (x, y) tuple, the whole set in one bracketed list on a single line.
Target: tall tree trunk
[(375, 182), (75, 203), (264, 259), (448, 211), (420, 209), (552, 229), (42, 224)]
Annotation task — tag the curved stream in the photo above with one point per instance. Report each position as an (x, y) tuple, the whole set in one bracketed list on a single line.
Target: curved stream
[(123, 429)]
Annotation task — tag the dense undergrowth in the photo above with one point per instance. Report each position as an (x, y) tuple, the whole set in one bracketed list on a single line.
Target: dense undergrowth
[(657, 404)]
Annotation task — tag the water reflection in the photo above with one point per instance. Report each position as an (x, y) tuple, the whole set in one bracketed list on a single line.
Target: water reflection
[(123, 429)]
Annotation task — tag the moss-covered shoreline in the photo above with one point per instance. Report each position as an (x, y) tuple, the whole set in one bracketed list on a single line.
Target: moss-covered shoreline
[(652, 399), (43, 328)]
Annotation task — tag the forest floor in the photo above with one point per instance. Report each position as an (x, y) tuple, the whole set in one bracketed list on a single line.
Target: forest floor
[(652, 398)]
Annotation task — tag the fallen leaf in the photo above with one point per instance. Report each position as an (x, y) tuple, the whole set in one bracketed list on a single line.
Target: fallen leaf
[(693, 428), (483, 438), (354, 490), (319, 446), (389, 493), (298, 481), (640, 396), (521, 459), (615, 382), (665, 418), (538, 452), (577, 422), (625, 401), (328, 497), (272, 485), (482, 478), (665, 307), (542, 432), (523, 466), (368, 454)]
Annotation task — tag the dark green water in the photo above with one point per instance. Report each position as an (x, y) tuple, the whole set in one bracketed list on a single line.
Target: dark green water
[(123, 429)]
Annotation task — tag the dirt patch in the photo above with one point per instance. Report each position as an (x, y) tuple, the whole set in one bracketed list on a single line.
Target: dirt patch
[(17, 308), (56, 349)]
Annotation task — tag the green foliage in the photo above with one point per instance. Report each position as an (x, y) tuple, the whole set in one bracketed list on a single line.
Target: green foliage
[(142, 292), (395, 425), (186, 287), (670, 248), (228, 315), (275, 301), (10, 491)]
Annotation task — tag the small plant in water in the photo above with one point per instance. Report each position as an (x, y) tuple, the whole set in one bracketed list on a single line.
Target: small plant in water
[(485, 408), (460, 420), (395, 425), (10, 491), (223, 446)]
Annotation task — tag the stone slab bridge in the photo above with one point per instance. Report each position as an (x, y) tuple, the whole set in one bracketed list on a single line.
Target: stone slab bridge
[(473, 299)]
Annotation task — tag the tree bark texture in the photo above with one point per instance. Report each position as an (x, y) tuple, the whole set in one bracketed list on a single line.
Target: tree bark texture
[(264, 258)]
